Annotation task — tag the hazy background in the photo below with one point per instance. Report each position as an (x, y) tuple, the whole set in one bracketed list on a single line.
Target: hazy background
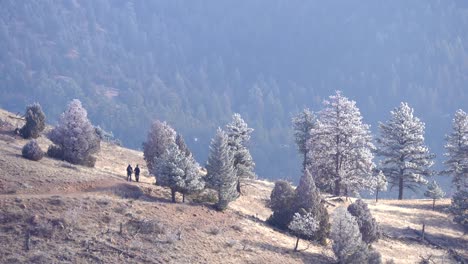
[(194, 63)]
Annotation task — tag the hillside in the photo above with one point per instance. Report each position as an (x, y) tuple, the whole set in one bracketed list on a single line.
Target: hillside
[(195, 63), (51, 211)]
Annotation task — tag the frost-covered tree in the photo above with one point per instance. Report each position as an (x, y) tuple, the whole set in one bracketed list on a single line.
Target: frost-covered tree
[(367, 224), (459, 208), (340, 148), (178, 172), (35, 121), (159, 137), (303, 225), (308, 199), (182, 146), (221, 172), (406, 159), (434, 192), (238, 134), (32, 151), (456, 148), (379, 184), (75, 137), (302, 125), (281, 202)]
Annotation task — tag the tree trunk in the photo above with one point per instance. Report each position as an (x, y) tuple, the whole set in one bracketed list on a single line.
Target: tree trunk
[(337, 187), (400, 189), (433, 204), (297, 244), (377, 195), (238, 186), (304, 162), (173, 193), (183, 197)]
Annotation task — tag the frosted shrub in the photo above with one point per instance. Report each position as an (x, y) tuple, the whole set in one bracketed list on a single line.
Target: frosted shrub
[(367, 224), (35, 122), (32, 151)]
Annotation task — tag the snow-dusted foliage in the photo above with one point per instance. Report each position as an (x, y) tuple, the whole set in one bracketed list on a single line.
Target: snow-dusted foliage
[(459, 208), (178, 172), (32, 151), (35, 121), (75, 137), (367, 224), (221, 172), (434, 192), (239, 135), (302, 125), (160, 136), (456, 148), (308, 199), (303, 225), (406, 160), (281, 202), (340, 148), (182, 146), (378, 184)]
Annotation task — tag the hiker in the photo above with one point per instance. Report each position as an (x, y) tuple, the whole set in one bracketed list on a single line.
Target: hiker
[(129, 173), (137, 173)]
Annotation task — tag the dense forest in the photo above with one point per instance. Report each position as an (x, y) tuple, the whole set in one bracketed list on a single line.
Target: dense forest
[(195, 63)]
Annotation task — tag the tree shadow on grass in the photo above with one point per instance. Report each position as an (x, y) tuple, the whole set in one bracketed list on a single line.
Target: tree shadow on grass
[(306, 257)]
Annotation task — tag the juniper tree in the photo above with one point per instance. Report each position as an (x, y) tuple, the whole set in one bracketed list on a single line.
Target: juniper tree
[(308, 199), (367, 224), (159, 137), (434, 192), (32, 151), (303, 225), (75, 137), (302, 125), (340, 148), (221, 172), (281, 201), (456, 149), (406, 160), (238, 137), (35, 121), (459, 208)]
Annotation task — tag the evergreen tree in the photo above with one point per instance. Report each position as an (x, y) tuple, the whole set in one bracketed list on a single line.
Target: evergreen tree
[(302, 125), (340, 148), (379, 184), (459, 208), (281, 201), (35, 121), (75, 137), (406, 160), (221, 172), (160, 136), (192, 181), (303, 225), (239, 135), (457, 151), (345, 234), (308, 199), (367, 224), (182, 146), (434, 192)]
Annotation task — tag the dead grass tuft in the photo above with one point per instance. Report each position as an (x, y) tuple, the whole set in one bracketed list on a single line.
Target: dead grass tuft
[(145, 226)]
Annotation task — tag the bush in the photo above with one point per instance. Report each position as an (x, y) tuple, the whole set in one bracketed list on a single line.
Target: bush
[(55, 152), (281, 200), (35, 122), (367, 224), (32, 151), (459, 208)]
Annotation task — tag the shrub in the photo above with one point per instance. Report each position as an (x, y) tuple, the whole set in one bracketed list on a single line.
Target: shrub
[(32, 151), (281, 200), (35, 122), (367, 224)]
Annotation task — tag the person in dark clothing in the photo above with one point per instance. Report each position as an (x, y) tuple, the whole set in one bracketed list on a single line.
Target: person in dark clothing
[(137, 173), (129, 172)]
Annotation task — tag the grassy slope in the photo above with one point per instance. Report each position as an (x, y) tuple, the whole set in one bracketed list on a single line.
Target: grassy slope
[(66, 213)]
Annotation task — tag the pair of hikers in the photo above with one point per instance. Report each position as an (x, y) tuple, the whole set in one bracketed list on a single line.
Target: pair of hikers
[(130, 171)]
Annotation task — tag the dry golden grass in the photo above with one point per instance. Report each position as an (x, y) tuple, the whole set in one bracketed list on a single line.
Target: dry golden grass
[(55, 212)]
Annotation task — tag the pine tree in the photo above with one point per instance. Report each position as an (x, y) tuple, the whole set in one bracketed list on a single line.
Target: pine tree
[(221, 173), (379, 184), (367, 224), (457, 151), (75, 137), (35, 121), (308, 199), (302, 125), (160, 136), (459, 208), (182, 146), (192, 181), (340, 148), (239, 135), (281, 201), (303, 225), (434, 192), (406, 160)]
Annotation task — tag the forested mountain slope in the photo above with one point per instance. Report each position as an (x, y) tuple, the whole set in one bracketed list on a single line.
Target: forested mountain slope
[(194, 63)]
